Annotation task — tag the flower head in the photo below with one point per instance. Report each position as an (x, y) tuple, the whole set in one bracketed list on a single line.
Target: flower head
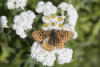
[(54, 34), (53, 22), (11, 4), (3, 21), (23, 23), (45, 8), (48, 57), (63, 6)]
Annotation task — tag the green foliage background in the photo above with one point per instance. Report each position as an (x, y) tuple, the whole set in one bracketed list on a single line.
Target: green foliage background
[(15, 52)]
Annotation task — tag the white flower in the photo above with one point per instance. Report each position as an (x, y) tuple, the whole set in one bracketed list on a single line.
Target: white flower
[(23, 23), (68, 27), (64, 55), (60, 19), (3, 21), (53, 21), (20, 4), (46, 19), (40, 7), (72, 13), (75, 35), (11, 4), (47, 58), (47, 8), (46, 26), (53, 25), (60, 26), (63, 6), (49, 3)]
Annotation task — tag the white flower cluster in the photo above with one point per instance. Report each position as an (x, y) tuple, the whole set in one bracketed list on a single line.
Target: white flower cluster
[(3, 22), (11, 4), (47, 8), (64, 55), (48, 57), (53, 22), (73, 16), (23, 23)]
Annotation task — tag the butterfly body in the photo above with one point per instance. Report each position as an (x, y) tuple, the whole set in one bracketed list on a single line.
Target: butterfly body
[(52, 39)]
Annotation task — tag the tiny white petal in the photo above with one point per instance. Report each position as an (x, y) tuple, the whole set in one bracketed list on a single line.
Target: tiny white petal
[(40, 7), (63, 6), (75, 35), (4, 21)]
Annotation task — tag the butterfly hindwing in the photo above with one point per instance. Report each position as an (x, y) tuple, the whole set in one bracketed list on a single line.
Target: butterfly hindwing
[(40, 35), (47, 46), (59, 45)]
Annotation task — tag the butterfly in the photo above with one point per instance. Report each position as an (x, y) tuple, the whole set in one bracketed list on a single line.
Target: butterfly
[(52, 39)]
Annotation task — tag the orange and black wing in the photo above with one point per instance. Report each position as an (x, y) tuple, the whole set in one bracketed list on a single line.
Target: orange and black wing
[(40, 35), (63, 37), (47, 46)]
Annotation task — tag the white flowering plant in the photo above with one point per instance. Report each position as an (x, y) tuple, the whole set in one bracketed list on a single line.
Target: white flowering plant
[(36, 33), (52, 21)]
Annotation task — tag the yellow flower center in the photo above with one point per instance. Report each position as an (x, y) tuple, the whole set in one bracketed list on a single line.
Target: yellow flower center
[(53, 16), (60, 18), (48, 17), (60, 25), (53, 24), (46, 25)]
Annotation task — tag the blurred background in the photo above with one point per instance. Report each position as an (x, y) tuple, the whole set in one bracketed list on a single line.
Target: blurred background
[(15, 51)]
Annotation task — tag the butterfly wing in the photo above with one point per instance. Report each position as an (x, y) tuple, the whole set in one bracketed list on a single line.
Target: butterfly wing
[(63, 37), (60, 45), (40, 35), (47, 46)]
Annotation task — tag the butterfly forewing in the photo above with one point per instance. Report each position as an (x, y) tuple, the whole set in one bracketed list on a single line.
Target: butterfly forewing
[(40, 35), (64, 36)]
